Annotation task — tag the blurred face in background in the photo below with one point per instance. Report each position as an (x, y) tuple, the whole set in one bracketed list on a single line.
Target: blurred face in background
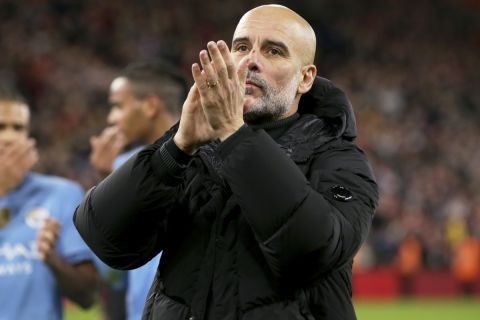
[(127, 112), (14, 121)]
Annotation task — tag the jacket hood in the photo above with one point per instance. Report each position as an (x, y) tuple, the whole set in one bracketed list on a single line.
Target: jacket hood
[(330, 103)]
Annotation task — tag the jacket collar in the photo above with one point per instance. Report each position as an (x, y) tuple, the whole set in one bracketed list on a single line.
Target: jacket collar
[(331, 104)]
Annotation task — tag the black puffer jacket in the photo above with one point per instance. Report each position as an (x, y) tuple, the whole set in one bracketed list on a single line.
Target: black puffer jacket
[(252, 228)]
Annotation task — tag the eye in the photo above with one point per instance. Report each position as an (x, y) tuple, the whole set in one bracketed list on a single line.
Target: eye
[(241, 48), (274, 51), (18, 127)]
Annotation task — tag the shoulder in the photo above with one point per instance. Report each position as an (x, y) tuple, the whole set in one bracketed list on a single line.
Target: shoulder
[(54, 184), (123, 157)]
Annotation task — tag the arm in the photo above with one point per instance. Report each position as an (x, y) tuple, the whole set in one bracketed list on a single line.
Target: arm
[(297, 222), (78, 282), (123, 219)]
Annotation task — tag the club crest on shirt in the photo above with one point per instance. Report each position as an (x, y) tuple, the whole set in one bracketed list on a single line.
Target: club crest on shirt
[(35, 217), (5, 216)]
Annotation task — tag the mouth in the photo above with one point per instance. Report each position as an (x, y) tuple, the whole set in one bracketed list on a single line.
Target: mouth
[(253, 84)]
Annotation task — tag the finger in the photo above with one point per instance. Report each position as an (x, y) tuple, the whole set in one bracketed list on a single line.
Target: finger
[(207, 66), (199, 78), (190, 102), (242, 70), (109, 134), (94, 141), (44, 248), (32, 158), (52, 224), (218, 61), (41, 256), (117, 145), (195, 92), (47, 236), (227, 57), (21, 151), (121, 139), (191, 92)]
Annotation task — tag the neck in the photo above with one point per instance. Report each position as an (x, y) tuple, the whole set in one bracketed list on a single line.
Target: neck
[(159, 128)]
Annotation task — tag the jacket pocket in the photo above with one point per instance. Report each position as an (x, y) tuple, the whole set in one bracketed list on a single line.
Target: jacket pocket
[(165, 307), (160, 306)]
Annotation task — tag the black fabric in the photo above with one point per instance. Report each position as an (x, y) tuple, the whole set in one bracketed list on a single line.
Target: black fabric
[(250, 228), (176, 153), (327, 101)]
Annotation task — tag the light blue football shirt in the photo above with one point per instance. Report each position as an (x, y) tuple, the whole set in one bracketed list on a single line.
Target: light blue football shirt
[(28, 288), (138, 285)]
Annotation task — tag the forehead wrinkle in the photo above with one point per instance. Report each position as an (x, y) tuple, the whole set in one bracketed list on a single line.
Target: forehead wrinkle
[(272, 20)]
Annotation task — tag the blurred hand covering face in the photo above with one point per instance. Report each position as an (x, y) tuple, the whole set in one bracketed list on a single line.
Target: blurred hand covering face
[(16, 159), (105, 148), (17, 152)]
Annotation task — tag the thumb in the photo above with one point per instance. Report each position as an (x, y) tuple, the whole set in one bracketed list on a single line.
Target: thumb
[(242, 70), (193, 94), (190, 104)]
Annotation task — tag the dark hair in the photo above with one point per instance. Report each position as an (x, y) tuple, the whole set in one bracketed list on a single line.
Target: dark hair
[(158, 78), (8, 92)]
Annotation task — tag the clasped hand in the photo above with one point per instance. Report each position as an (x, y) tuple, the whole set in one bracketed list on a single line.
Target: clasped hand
[(214, 106)]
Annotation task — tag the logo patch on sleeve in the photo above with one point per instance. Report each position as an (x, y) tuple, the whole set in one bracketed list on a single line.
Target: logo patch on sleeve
[(341, 193)]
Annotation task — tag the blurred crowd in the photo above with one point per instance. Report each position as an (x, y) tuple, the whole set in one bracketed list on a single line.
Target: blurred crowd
[(410, 68)]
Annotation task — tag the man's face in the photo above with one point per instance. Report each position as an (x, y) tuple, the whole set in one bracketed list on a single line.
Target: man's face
[(14, 121), (126, 111), (274, 67)]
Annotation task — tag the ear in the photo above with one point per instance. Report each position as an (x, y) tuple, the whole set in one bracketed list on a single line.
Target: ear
[(309, 72), (152, 106)]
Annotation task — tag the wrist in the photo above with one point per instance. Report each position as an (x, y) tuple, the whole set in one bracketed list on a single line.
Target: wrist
[(229, 131), (182, 145)]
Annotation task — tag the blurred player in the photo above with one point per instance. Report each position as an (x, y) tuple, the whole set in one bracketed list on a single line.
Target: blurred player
[(42, 257), (145, 100)]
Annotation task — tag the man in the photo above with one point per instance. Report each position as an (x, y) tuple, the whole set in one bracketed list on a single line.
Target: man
[(42, 257), (258, 201), (146, 100)]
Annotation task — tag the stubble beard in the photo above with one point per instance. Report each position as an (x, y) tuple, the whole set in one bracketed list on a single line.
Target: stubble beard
[(273, 104)]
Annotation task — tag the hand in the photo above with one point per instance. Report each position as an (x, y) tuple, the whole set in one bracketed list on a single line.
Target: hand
[(222, 88), (194, 129), (16, 159), (105, 148), (47, 239)]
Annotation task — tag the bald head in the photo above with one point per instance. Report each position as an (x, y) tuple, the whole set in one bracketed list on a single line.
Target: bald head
[(276, 18)]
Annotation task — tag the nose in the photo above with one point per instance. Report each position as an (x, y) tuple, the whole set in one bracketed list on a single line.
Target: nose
[(113, 116), (254, 63), (9, 135)]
